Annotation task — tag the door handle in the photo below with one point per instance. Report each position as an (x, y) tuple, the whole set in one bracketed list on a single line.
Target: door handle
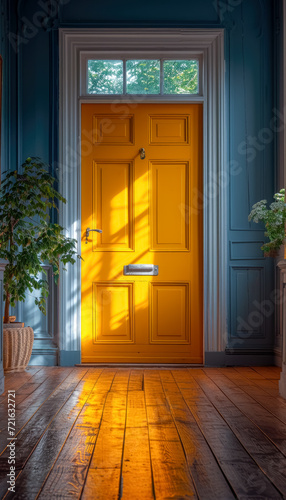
[(88, 230), (142, 153)]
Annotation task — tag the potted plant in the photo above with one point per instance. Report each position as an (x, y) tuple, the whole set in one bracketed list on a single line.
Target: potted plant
[(274, 219), (28, 239)]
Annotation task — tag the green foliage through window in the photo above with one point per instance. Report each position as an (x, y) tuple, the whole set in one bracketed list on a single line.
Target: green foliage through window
[(105, 77), (143, 76), (181, 77)]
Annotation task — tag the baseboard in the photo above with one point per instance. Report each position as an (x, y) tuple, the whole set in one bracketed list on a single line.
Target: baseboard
[(69, 358), (229, 357), (215, 358), (277, 357), (282, 382), (166, 366), (240, 357), (41, 359), (44, 354)]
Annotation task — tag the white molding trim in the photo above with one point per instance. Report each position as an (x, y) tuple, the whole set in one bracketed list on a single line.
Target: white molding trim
[(208, 42)]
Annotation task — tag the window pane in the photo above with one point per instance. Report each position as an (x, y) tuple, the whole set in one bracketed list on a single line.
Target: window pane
[(143, 77), (181, 77), (105, 77)]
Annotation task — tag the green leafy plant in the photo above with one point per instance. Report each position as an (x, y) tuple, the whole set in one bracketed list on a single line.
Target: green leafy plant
[(274, 219), (28, 239)]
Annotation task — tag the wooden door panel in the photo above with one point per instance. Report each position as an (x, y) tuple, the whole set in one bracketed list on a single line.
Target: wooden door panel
[(113, 130), (113, 206), (113, 312), (169, 130), (169, 193), (169, 313), (149, 213)]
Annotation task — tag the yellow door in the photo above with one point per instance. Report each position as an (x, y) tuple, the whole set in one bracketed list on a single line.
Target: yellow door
[(141, 185)]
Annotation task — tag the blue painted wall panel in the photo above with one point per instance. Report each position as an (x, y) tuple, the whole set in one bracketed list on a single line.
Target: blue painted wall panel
[(148, 11), (251, 69), (251, 146), (247, 292), (240, 250), (249, 32), (252, 306), (34, 105)]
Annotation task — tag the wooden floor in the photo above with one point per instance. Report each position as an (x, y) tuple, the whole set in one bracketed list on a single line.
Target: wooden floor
[(103, 433)]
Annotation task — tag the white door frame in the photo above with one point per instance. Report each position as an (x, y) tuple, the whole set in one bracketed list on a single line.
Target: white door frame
[(209, 44)]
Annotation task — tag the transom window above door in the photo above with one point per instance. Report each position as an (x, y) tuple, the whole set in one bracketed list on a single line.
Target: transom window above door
[(143, 76)]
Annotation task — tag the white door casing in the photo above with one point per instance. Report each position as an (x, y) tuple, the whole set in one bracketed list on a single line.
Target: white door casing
[(208, 45)]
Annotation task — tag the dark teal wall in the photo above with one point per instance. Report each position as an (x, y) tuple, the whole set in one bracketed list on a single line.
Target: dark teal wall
[(135, 12), (250, 78), (31, 115)]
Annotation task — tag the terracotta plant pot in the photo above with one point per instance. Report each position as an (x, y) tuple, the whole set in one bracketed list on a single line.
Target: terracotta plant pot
[(17, 347)]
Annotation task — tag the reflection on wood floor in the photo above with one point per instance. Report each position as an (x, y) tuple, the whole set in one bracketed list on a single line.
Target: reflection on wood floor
[(112, 433)]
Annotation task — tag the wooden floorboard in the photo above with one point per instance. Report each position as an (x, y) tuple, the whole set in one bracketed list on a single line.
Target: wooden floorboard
[(28, 406), (145, 434), (235, 462), (206, 473), (55, 434), (261, 449)]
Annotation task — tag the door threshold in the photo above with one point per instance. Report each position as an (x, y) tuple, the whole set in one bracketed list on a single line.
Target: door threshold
[(140, 365)]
